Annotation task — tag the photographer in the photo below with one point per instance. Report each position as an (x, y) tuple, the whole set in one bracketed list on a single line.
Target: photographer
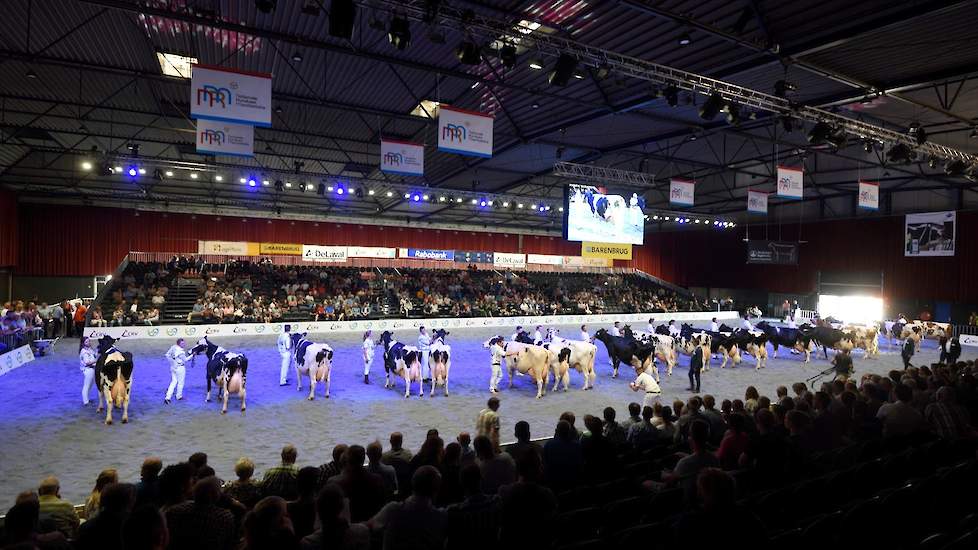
[(843, 365)]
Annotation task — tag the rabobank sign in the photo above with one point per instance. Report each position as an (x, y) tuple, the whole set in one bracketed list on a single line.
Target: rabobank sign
[(428, 254)]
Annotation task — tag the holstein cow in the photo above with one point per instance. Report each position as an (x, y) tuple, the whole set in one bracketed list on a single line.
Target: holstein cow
[(628, 350), (725, 345), (114, 377), (690, 339), (441, 361), (580, 356), (664, 347), (792, 338), (226, 369), (828, 337), (755, 344), (893, 330), (535, 361), (312, 360), (403, 361), (865, 338)]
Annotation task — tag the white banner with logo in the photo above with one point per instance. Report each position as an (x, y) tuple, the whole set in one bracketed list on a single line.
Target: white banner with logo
[(681, 192), (316, 253), (756, 202), (15, 358), (968, 340), (228, 248), (191, 332), (930, 234), (508, 259), (225, 138), (578, 261), (401, 157), (230, 96), (370, 252), (544, 259), (790, 183), (464, 132), (869, 195)]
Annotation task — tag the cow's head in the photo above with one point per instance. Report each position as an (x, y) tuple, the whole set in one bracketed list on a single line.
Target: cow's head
[(387, 337), (296, 337), (492, 341), (601, 334), (105, 343), (440, 334), (203, 345)]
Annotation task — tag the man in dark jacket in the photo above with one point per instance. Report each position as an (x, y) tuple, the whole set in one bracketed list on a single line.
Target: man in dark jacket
[(695, 366), (909, 346)]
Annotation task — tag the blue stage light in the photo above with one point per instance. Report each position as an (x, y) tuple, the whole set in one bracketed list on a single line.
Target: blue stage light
[(482, 203), (252, 182), (417, 198), (132, 171), (339, 191)]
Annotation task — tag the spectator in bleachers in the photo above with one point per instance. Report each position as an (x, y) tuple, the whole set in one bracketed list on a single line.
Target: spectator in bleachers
[(497, 469), (201, 523), (720, 518), (106, 478), (302, 511), (473, 524), (900, 418), (104, 531), (562, 457), (55, 511), (280, 480), (414, 523), (335, 530), (244, 489)]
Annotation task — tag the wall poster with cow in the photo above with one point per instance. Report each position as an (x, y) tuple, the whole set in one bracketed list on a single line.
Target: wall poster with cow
[(930, 234)]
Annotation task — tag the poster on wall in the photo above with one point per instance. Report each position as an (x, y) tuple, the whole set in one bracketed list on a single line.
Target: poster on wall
[(869, 195), (225, 138), (930, 234), (544, 259), (681, 192), (790, 182), (757, 202), (226, 95), (508, 260), (473, 257), (228, 248), (464, 132), (606, 250), (371, 252), (426, 254), (281, 249), (401, 157), (314, 253), (772, 252)]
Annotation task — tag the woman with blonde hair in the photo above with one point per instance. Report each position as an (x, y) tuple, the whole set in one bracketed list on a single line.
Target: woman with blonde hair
[(106, 478)]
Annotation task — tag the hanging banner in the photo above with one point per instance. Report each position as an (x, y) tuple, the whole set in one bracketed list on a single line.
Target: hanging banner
[(464, 132), (544, 259), (401, 157), (230, 96), (314, 253), (508, 260), (426, 254), (930, 234), (606, 250), (681, 192), (225, 138), (228, 248), (370, 252), (772, 252), (578, 261), (756, 202), (281, 249), (790, 183), (869, 195), (470, 257)]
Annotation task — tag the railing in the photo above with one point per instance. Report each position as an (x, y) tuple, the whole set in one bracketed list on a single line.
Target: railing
[(958, 330), (13, 341)]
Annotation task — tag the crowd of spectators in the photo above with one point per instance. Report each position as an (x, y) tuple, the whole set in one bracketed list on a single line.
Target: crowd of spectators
[(691, 467), (23, 322)]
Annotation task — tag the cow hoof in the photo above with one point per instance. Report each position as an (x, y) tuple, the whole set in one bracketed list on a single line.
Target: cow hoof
[(311, 398), (327, 396), (446, 393), (407, 397), (108, 422), (125, 420)]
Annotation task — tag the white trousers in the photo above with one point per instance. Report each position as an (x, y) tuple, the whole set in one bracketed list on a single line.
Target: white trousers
[(497, 375), (89, 375), (424, 364), (283, 373), (649, 400), (366, 366), (177, 376)]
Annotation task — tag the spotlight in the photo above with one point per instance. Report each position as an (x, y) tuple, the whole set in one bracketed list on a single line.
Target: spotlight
[(399, 33), (468, 53), (441, 199), (655, 217), (536, 64), (667, 218), (266, 6), (473, 201), (782, 88), (507, 54), (416, 198), (696, 221), (819, 133), (671, 93), (340, 191), (561, 209), (542, 208), (424, 197), (193, 175), (86, 165), (900, 153), (482, 203), (519, 205), (407, 195), (489, 203), (117, 169), (264, 182), (458, 200), (733, 114), (917, 133), (684, 39), (563, 70), (390, 194), (533, 207), (505, 204), (954, 167), (711, 106), (342, 14), (252, 183), (288, 185), (219, 178), (241, 180), (132, 171)]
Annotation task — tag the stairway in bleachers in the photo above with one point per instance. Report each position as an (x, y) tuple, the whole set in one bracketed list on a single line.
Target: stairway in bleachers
[(179, 301)]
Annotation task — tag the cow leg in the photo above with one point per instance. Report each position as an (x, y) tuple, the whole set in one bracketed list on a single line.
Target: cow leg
[(312, 385), (670, 362), (224, 389), (407, 384), (98, 387), (329, 377), (541, 382), (614, 367), (107, 392), (125, 402), (298, 378)]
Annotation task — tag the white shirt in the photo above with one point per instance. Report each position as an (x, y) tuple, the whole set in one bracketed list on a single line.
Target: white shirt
[(673, 330), (424, 342), (647, 383), (902, 320), (497, 353), (177, 356), (614, 331), (747, 325), (368, 349), (537, 336), (86, 357), (714, 327), (284, 343), (651, 328), (792, 323), (515, 334), (585, 336)]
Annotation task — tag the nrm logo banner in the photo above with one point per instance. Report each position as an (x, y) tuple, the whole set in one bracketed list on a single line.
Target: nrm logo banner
[(393, 159), (212, 95), (453, 132), (212, 137)]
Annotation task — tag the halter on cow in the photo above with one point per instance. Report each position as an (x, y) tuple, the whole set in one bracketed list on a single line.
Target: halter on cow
[(114, 372), (312, 360), (403, 361), (228, 370), (441, 360)]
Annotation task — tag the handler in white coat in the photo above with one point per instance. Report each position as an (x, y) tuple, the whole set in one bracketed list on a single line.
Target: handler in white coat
[(285, 352), (368, 354), (177, 356), (86, 362), (424, 347), (647, 383)]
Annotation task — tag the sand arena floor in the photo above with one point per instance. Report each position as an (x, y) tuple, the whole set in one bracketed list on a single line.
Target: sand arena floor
[(45, 430)]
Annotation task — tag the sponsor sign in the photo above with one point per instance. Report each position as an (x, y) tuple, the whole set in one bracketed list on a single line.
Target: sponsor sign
[(228, 248), (401, 157), (315, 253), (409, 325), (281, 248), (225, 138), (544, 259), (509, 260), (427, 254), (930, 234), (772, 252), (869, 195), (370, 252), (230, 96), (756, 202), (464, 132), (681, 192), (790, 183), (606, 250), (968, 339), (578, 261), (469, 257), (15, 358)]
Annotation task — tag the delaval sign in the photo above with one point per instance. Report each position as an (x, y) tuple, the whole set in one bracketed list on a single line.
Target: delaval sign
[(313, 253), (508, 260), (225, 138), (428, 254), (681, 192), (464, 132), (401, 157), (230, 96)]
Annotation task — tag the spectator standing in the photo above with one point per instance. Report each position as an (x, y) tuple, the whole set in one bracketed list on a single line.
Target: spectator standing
[(302, 511), (562, 458), (488, 422), (364, 490), (79, 318), (497, 469), (386, 472), (104, 531)]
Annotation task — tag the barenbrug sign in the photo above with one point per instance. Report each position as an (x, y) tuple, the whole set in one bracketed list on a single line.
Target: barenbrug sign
[(772, 252)]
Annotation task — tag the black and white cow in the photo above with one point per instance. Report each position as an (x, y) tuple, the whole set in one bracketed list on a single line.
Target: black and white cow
[(312, 360), (401, 360), (441, 360), (828, 337), (579, 355), (630, 351), (792, 338), (663, 347), (113, 372), (690, 339), (226, 369)]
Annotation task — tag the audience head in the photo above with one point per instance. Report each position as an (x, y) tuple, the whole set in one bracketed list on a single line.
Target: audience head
[(21, 522), (471, 479), (634, 409), (647, 414), (397, 440), (522, 431), (433, 432), (151, 468), (666, 415), (796, 421), (244, 468), (699, 433), (307, 481), (493, 403), (145, 529), (330, 504), (196, 461), (751, 393), (782, 392), (49, 486), (564, 431), (289, 454), (207, 491), (374, 452), (464, 439), (340, 450), (176, 483), (609, 414), (764, 419), (268, 524), (354, 457), (694, 404), (105, 477), (709, 402), (530, 467), (426, 480), (483, 447), (717, 490), (118, 498)]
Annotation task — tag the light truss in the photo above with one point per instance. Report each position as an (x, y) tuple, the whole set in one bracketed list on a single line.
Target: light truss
[(602, 174), (470, 23)]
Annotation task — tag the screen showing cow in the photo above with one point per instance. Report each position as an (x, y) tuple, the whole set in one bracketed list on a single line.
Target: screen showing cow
[(594, 214)]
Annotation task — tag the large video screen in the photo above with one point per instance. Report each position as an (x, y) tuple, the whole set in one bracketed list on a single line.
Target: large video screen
[(593, 214)]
